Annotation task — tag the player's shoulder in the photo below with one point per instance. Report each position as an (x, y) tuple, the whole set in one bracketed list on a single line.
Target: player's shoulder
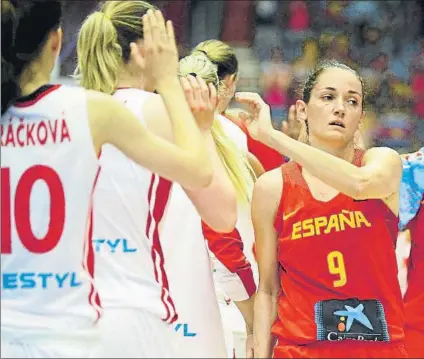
[(270, 182), (135, 94), (267, 193), (229, 125), (70, 93)]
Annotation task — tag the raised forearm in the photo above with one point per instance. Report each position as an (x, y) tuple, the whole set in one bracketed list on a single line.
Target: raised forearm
[(216, 204), (336, 172), (185, 130)]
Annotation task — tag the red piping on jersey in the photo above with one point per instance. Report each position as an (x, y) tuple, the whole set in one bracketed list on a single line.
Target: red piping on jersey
[(157, 205), (93, 297), (37, 98), (228, 249)]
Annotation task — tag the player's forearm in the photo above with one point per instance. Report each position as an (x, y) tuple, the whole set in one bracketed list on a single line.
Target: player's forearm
[(184, 127), (217, 203), (246, 308), (265, 310), (336, 172)]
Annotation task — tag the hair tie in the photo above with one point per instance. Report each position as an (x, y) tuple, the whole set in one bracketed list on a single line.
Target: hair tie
[(193, 74), (203, 52)]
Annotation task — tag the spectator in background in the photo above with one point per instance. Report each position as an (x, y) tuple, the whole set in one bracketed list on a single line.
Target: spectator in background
[(335, 12), (303, 65), (276, 78), (417, 86), (370, 42), (418, 60), (338, 49), (295, 19), (395, 125), (265, 11), (418, 92), (299, 16)]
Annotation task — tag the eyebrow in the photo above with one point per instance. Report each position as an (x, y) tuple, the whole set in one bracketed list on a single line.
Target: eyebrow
[(350, 91)]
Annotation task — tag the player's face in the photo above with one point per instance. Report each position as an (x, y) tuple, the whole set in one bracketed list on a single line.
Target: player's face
[(334, 111)]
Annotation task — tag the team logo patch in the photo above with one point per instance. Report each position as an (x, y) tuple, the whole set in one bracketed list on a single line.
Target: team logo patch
[(352, 319)]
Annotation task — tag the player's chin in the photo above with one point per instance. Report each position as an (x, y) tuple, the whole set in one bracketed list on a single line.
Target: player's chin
[(337, 136)]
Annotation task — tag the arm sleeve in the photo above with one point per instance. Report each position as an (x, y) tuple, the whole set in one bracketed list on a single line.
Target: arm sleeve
[(232, 270)]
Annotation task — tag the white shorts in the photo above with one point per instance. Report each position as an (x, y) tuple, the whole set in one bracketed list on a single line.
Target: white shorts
[(55, 346), (134, 333), (234, 329)]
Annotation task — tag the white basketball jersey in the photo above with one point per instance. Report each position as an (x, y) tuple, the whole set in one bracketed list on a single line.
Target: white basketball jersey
[(129, 205), (48, 170), (229, 286), (233, 132), (199, 328)]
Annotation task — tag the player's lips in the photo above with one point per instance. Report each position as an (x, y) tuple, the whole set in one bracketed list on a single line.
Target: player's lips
[(337, 123)]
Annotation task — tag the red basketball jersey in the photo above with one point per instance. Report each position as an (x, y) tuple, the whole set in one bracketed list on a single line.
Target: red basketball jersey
[(338, 268), (414, 296)]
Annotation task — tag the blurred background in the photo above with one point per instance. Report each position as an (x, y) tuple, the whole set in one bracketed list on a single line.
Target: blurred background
[(279, 42)]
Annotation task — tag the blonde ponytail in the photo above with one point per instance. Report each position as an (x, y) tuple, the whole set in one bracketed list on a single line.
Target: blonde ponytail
[(235, 162), (99, 54), (104, 40)]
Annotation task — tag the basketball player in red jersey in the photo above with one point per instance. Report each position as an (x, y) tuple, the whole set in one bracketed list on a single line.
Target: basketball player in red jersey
[(414, 296), (50, 138), (325, 227), (411, 216)]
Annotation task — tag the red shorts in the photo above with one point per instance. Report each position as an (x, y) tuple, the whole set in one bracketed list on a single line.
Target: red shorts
[(344, 349), (414, 340)]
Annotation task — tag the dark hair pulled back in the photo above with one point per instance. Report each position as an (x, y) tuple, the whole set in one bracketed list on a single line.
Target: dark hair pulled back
[(25, 25)]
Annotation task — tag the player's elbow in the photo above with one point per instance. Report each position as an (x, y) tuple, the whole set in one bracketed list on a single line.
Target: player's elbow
[(202, 173), (374, 187), (223, 218), (380, 177), (204, 176)]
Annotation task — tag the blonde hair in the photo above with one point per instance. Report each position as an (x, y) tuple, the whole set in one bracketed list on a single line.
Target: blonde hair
[(104, 40), (220, 54), (235, 162)]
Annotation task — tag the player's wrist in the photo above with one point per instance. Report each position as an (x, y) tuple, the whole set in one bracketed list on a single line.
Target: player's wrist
[(249, 331)]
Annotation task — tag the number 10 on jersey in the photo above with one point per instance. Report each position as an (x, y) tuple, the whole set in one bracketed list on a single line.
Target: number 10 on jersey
[(336, 266), (21, 215)]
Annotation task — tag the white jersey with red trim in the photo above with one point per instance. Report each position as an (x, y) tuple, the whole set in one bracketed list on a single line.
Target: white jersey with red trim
[(228, 282), (233, 280), (48, 170), (233, 132), (129, 205), (198, 331)]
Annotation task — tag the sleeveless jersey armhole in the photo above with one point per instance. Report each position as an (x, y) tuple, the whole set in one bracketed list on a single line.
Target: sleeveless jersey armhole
[(278, 221)]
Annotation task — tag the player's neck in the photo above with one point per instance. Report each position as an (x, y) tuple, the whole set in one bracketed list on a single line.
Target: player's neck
[(344, 152), (126, 79), (33, 78)]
